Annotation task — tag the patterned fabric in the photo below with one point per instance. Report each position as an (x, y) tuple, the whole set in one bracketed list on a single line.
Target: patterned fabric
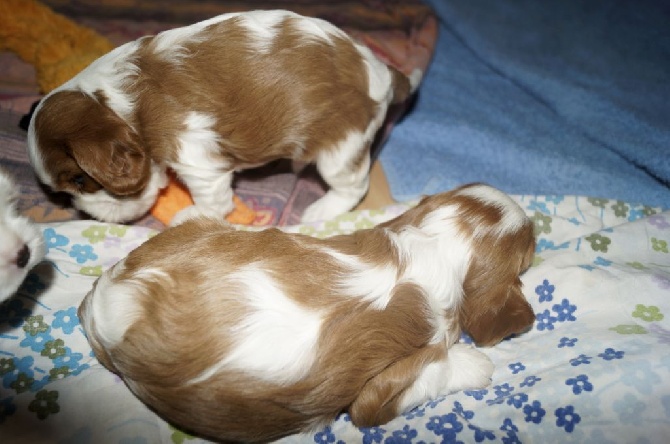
[(594, 368)]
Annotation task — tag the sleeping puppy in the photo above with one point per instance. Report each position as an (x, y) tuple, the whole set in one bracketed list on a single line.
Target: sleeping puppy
[(21, 243), (229, 93), (265, 334)]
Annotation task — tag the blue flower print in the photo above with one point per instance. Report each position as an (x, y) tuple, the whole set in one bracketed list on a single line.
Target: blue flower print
[(508, 426), (447, 426), (502, 390), (530, 381), (567, 342), (66, 320), (564, 311), (83, 253), (545, 321), (629, 409), (460, 411), (15, 368), (324, 437), (579, 383), (477, 394), (511, 430), (567, 418), (36, 342), (7, 408), (68, 359), (406, 435), (579, 360), (610, 354), (372, 434), (517, 400), (534, 412), (601, 261), (545, 291), (517, 367), (435, 402), (13, 312), (481, 435), (416, 412), (643, 378), (54, 240)]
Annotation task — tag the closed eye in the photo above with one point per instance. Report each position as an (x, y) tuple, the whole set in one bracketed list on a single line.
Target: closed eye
[(78, 181)]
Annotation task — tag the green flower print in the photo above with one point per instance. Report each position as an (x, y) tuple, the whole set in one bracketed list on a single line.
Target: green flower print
[(597, 202), (648, 211), (637, 265), (620, 209), (542, 223), (659, 245), (35, 325), (629, 329), (59, 373), (599, 242), (22, 383), (647, 313), (118, 230), (91, 271), (95, 233), (178, 437), (44, 404), (6, 366), (53, 349)]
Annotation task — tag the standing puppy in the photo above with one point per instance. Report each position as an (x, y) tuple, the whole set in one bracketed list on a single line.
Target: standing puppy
[(229, 93), (265, 334), (21, 244)]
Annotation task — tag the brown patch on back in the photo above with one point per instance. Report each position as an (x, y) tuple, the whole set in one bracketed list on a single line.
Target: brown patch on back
[(304, 95)]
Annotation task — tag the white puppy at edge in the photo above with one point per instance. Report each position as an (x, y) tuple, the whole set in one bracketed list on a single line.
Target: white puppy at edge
[(21, 242)]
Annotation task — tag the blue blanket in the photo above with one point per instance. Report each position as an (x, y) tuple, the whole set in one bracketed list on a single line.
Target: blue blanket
[(551, 97)]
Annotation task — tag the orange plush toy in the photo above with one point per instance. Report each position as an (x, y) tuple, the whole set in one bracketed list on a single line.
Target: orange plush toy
[(59, 49), (176, 197)]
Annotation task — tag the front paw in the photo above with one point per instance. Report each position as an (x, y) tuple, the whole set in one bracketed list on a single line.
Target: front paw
[(469, 368)]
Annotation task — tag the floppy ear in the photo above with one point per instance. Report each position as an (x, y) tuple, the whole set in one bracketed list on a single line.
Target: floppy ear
[(113, 157), (487, 323), (115, 164)]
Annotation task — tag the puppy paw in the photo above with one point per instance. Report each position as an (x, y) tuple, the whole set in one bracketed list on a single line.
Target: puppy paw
[(327, 207), (469, 368)]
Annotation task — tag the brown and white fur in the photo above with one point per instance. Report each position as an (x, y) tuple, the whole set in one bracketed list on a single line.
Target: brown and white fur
[(236, 91), (265, 334), (21, 243)]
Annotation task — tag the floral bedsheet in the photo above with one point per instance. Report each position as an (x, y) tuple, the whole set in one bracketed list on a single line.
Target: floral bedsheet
[(594, 368)]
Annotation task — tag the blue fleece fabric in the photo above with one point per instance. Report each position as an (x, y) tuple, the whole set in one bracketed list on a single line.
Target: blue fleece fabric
[(542, 97)]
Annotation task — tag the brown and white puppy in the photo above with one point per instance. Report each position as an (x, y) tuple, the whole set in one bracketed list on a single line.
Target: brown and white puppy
[(225, 94), (267, 333)]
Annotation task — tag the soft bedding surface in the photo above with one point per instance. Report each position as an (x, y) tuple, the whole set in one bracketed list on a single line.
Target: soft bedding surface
[(594, 368), (550, 97)]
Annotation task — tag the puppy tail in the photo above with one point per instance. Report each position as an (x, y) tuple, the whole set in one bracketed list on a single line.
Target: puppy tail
[(404, 86)]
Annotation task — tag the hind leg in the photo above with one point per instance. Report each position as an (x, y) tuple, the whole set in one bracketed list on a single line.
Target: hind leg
[(346, 170)]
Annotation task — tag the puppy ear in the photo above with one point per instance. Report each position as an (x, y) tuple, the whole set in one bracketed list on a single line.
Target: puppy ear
[(118, 163), (489, 322)]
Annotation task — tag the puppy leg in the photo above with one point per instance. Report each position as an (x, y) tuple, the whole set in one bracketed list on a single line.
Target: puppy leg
[(380, 399), (211, 190), (419, 378), (346, 170)]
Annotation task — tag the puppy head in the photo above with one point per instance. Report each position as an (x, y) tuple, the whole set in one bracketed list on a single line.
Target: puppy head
[(503, 242), (79, 145), (21, 243)]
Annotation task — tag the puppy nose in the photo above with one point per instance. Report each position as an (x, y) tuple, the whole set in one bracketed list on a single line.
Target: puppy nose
[(23, 257)]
